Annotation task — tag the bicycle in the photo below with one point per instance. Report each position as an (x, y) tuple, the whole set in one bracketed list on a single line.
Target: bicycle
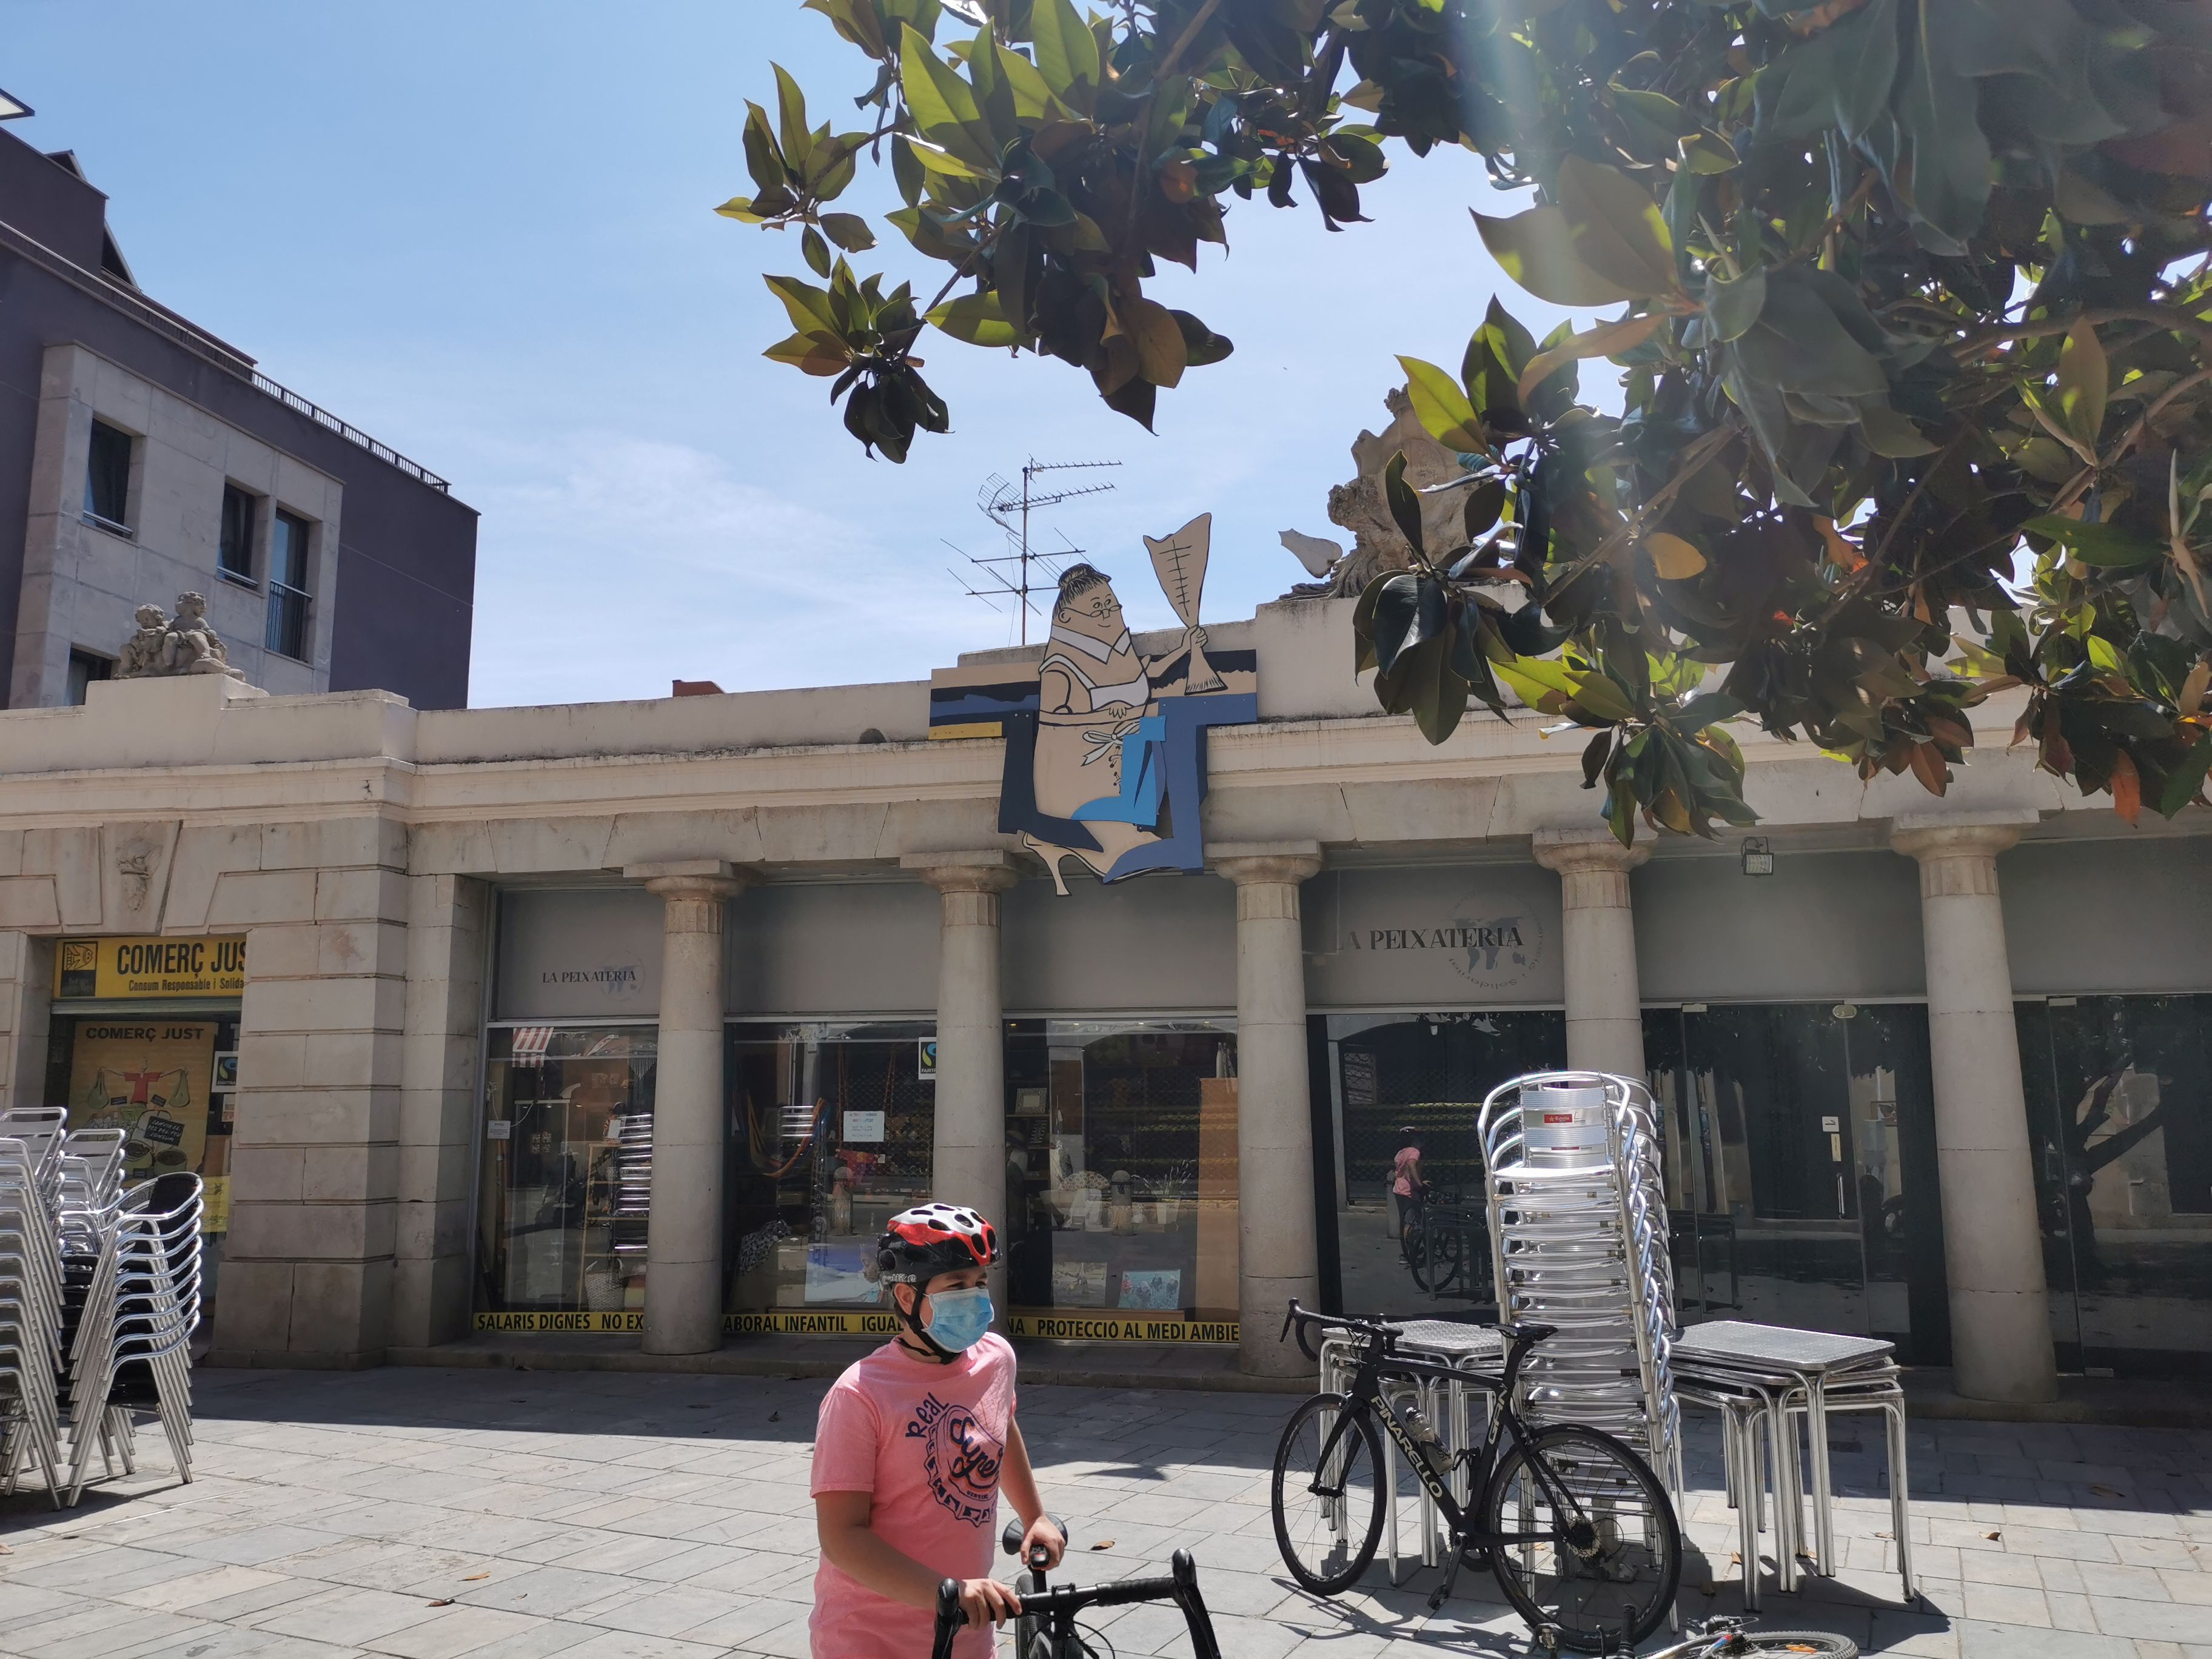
[(1046, 1628), (1727, 1639), (1561, 1515)]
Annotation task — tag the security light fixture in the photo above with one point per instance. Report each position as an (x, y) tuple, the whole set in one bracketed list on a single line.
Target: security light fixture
[(14, 109), (1757, 856)]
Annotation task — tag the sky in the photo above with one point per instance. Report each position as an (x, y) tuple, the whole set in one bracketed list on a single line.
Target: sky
[(483, 230)]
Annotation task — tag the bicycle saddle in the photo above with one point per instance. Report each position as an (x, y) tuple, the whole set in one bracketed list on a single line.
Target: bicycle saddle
[(1527, 1332)]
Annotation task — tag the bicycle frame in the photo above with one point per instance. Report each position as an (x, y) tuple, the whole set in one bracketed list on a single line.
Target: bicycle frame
[(1366, 1398)]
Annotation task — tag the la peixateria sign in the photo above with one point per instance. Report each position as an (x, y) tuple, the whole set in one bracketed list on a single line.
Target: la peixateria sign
[(1105, 757)]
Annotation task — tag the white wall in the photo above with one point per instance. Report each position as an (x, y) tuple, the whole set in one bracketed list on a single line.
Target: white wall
[(2118, 915), (832, 948), (1434, 936)]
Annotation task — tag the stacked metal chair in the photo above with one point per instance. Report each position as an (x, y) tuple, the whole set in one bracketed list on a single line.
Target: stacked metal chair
[(98, 1296), (1579, 1240)]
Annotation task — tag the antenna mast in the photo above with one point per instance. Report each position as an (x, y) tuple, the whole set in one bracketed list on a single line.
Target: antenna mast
[(1009, 506)]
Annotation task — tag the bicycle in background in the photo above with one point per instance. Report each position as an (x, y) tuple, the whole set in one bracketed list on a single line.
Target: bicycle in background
[(1576, 1527)]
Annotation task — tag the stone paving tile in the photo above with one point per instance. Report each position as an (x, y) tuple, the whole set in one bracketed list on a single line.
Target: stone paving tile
[(421, 1515)]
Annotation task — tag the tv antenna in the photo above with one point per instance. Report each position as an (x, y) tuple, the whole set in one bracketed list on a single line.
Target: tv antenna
[(1008, 505)]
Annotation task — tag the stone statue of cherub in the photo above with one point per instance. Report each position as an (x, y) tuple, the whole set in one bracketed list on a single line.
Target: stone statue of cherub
[(185, 644)]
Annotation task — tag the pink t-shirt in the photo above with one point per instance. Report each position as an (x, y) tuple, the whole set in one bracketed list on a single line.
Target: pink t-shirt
[(926, 1442), (1403, 1169)]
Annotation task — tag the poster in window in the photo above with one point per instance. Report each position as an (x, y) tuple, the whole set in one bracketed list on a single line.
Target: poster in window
[(1154, 1289), (1078, 1283), (150, 1078), (835, 1272)]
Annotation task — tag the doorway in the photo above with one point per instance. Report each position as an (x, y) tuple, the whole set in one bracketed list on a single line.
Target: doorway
[(1801, 1168)]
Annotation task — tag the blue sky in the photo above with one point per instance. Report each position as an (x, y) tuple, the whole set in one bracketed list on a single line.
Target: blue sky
[(483, 231)]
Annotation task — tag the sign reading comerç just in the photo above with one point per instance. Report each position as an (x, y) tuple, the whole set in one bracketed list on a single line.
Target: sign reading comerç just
[(1050, 1327), (1106, 747), (124, 968)]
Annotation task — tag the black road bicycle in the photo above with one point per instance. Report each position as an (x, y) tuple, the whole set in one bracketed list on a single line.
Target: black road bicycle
[(1046, 1626), (1577, 1529)]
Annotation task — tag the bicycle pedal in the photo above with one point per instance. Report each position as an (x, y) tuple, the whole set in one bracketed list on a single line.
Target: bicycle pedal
[(1436, 1598)]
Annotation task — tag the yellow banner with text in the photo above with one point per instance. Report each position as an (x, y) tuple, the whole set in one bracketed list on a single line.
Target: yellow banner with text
[(106, 968)]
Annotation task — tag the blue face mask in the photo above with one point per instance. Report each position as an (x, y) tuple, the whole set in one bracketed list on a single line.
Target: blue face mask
[(957, 1319)]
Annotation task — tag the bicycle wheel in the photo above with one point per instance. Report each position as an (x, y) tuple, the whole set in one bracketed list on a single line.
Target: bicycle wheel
[(1818, 1643), (1328, 1520), (1606, 1572)]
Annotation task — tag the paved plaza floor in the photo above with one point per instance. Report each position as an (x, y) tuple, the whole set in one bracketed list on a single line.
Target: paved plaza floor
[(426, 1514)]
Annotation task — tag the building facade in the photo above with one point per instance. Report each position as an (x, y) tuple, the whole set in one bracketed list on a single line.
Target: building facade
[(641, 1018), (142, 457)]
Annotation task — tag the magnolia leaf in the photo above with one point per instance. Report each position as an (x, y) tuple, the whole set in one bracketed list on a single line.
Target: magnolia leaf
[(1606, 340), (813, 354), (762, 159), (1404, 506), (977, 319), (849, 231), (1160, 352), (1067, 54), (944, 108), (2127, 787), (2183, 781), (791, 119), (1618, 231), (1442, 408), (809, 306), (740, 208), (1674, 559), (2101, 545), (2193, 690), (1731, 307), (2084, 381), (1596, 692), (1536, 249)]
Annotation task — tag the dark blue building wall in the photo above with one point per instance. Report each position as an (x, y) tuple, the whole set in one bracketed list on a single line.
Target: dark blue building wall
[(406, 567)]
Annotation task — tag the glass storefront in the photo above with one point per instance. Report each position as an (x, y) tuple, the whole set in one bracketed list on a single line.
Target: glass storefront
[(567, 1169), (1801, 1167), (1428, 1073), (1121, 1167), (832, 1127), (2119, 1100)]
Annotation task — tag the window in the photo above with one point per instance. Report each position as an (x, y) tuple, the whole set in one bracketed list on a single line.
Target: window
[(85, 667), (108, 478), (288, 585), (234, 546)]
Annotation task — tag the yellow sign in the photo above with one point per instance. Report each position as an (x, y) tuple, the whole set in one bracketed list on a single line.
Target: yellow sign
[(87, 967), (148, 1077), (214, 1204), (1088, 1328)]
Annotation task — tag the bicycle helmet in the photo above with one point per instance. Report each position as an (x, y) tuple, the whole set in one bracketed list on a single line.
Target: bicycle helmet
[(932, 1239)]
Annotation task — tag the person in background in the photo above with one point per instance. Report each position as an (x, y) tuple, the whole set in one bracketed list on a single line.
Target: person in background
[(1407, 1184), (913, 1446)]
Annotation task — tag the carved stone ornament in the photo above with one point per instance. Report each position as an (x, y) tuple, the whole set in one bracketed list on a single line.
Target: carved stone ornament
[(184, 644), (1358, 506)]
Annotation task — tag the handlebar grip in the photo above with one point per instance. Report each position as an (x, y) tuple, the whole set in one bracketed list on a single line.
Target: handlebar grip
[(949, 1618), (1132, 1590)]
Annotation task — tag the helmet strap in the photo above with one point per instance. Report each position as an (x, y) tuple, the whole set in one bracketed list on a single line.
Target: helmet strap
[(911, 1318)]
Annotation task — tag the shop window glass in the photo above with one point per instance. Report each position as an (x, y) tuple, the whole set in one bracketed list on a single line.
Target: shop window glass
[(1801, 1176), (1429, 1073), (567, 1169), (833, 1126), (165, 1080), (2120, 1106), (1121, 1167)]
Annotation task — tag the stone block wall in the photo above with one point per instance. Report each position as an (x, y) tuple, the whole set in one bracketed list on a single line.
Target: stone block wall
[(448, 923)]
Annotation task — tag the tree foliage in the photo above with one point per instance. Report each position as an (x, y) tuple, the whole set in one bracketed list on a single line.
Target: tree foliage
[(1915, 301)]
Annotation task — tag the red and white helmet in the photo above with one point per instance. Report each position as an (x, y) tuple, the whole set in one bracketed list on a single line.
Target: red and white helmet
[(932, 1239)]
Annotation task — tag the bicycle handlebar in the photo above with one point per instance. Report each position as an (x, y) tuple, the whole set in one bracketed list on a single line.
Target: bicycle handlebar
[(1064, 1601), (1304, 1318)]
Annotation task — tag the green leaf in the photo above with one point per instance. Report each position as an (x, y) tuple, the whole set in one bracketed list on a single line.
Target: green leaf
[(815, 354), (2183, 781), (1618, 231), (1731, 307), (1537, 250), (1404, 506), (1066, 54), (1495, 354), (1408, 609), (1442, 408), (2084, 381), (740, 208), (762, 159), (1596, 691), (1158, 339), (2101, 545), (849, 231), (1606, 340), (816, 250), (809, 306), (977, 318), (791, 119), (944, 108)]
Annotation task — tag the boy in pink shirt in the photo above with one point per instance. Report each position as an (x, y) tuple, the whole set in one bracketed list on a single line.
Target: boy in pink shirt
[(911, 1450)]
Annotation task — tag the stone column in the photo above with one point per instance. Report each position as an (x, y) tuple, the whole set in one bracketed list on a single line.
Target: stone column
[(1277, 1259), (1992, 1242), (970, 1151), (26, 987), (683, 1230), (440, 1106), (1605, 1014)]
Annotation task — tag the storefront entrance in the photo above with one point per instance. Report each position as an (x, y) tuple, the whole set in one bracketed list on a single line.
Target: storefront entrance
[(1801, 1168)]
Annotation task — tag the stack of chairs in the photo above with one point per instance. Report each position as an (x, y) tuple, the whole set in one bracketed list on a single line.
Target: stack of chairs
[(100, 1292), (1579, 1239)]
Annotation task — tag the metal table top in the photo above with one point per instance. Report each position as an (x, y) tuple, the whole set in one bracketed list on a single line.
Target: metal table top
[(1447, 1336), (1722, 1342)]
